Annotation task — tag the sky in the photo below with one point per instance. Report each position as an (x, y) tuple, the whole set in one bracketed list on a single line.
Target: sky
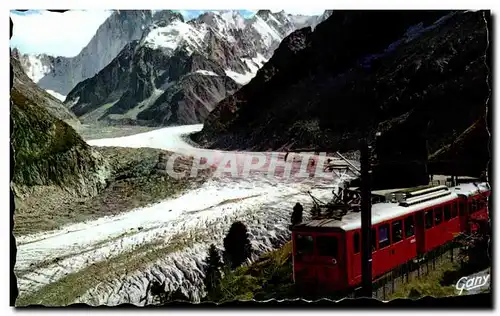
[(65, 34)]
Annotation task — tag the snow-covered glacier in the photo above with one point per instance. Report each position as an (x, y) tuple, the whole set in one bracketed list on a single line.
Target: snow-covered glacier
[(187, 224)]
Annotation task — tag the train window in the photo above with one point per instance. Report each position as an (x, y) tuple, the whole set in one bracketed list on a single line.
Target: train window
[(383, 236), (429, 220), (356, 242), (461, 209), (397, 231), (453, 210), (447, 212), (327, 246), (374, 240), (305, 244), (409, 226), (438, 216)]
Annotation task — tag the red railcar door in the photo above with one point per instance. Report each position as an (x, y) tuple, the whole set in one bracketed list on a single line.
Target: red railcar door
[(303, 259), (453, 225), (404, 246), (420, 232), (329, 261), (355, 265), (382, 258), (463, 214)]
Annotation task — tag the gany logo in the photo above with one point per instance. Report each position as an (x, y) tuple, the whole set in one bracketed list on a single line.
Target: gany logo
[(469, 283)]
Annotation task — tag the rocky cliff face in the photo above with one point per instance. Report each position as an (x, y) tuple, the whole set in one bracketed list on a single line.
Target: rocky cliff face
[(47, 151), (179, 70), (39, 96), (61, 74), (421, 76)]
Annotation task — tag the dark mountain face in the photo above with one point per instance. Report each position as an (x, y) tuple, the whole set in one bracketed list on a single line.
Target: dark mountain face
[(147, 86), (422, 76), (164, 17)]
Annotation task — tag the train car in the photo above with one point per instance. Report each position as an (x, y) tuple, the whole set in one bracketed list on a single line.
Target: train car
[(473, 205), (327, 252)]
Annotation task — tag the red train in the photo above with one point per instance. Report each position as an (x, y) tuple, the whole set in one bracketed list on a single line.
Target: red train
[(327, 252)]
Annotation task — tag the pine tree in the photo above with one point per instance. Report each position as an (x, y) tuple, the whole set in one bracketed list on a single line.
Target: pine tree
[(157, 291), (237, 245), (297, 214), (160, 296), (212, 271)]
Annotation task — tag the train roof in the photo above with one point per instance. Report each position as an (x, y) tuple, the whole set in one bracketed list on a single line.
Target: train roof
[(469, 189), (385, 211)]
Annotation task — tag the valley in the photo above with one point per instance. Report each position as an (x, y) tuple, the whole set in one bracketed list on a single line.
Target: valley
[(196, 218), (134, 156)]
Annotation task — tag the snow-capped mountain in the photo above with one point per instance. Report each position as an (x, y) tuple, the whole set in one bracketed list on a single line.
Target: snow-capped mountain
[(178, 70), (61, 74)]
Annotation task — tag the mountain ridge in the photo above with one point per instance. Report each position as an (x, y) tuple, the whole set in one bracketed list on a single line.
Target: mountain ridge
[(61, 74), (179, 70)]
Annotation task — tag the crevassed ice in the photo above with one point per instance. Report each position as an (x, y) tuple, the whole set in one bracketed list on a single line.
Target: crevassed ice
[(202, 216)]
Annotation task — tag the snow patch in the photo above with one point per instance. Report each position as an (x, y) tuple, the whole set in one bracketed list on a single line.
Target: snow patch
[(259, 60), (239, 77), (37, 69), (255, 63), (267, 33), (56, 95), (233, 19), (173, 35), (207, 73)]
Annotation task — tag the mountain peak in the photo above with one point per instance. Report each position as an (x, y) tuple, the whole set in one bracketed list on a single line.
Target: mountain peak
[(15, 53), (207, 17), (125, 15), (167, 16), (62, 74), (264, 13)]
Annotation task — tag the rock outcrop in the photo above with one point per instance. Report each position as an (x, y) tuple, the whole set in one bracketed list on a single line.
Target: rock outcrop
[(47, 151)]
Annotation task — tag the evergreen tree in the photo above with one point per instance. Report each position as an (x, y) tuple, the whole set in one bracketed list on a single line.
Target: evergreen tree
[(237, 245), (212, 271), (160, 296), (297, 214), (157, 291)]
